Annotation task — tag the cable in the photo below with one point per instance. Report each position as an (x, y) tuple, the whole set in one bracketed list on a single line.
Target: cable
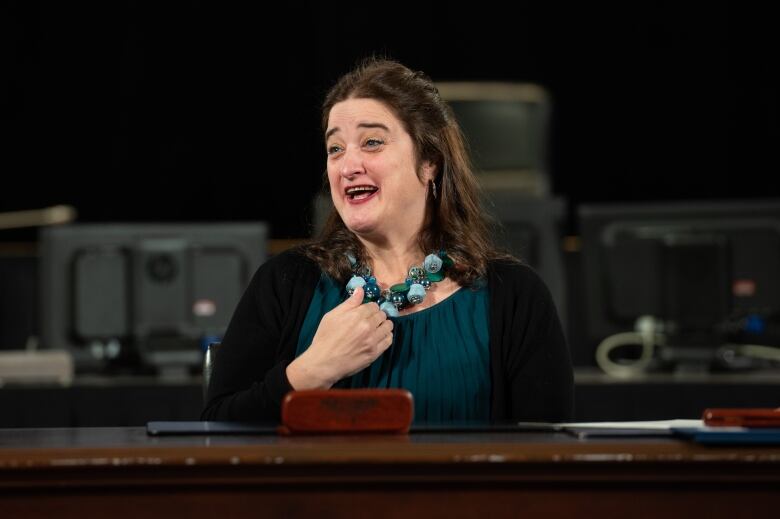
[(757, 351), (646, 336)]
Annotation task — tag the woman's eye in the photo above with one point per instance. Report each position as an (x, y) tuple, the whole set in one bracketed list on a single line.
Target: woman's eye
[(333, 149), (374, 143)]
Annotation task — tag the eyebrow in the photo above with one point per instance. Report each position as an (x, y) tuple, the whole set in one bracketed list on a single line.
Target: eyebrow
[(361, 125)]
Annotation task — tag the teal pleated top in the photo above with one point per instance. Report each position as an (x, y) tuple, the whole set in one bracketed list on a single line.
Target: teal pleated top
[(440, 354)]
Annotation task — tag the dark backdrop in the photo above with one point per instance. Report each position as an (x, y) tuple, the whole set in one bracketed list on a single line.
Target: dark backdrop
[(202, 110), (172, 111)]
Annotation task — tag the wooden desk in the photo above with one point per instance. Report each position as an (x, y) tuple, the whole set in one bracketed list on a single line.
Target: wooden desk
[(121, 472)]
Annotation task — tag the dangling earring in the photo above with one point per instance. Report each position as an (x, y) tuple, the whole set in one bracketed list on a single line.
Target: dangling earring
[(433, 188)]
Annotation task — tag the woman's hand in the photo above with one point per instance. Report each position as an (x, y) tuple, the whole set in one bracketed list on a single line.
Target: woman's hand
[(349, 338)]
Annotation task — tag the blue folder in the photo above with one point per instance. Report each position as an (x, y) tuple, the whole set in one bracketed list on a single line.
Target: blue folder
[(207, 428), (729, 435), (181, 428)]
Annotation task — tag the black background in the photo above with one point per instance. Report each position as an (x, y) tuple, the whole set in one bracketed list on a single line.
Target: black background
[(181, 111), (198, 111)]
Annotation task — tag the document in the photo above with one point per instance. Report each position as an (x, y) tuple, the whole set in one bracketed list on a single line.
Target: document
[(640, 429), (650, 425)]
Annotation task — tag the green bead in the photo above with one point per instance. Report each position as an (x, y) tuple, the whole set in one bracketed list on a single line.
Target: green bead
[(436, 276), (400, 288), (447, 262)]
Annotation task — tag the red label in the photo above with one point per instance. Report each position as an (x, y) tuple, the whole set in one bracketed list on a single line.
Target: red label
[(743, 288)]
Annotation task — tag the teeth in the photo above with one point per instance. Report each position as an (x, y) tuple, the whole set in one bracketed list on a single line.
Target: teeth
[(360, 189)]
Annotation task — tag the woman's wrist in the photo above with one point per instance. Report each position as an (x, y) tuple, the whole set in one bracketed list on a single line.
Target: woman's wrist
[(302, 376)]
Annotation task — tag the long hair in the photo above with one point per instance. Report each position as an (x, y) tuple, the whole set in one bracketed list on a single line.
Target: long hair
[(454, 221)]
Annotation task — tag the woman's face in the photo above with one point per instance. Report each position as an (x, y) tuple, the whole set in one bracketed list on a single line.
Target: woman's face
[(372, 171)]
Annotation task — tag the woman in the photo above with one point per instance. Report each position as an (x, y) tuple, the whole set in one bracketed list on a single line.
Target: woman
[(403, 288)]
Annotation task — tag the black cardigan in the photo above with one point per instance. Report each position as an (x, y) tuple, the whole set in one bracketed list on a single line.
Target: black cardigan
[(531, 370)]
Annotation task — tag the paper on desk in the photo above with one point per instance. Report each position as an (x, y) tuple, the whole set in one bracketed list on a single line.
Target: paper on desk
[(650, 425)]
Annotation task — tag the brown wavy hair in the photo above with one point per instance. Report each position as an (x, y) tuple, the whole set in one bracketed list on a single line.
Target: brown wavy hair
[(454, 220)]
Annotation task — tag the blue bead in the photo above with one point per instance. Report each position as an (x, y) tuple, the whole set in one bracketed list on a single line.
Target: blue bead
[(397, 299), (372, 292), (432, 263), (372, 280), (425, 283), (389, 309), (416, 294), (409, 281), (354, 282)]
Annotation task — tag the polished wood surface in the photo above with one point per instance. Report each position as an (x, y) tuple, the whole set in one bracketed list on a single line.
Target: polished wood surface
[(122, 472)]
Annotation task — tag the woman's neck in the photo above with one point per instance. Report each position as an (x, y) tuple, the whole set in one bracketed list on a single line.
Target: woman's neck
[(390, 261)]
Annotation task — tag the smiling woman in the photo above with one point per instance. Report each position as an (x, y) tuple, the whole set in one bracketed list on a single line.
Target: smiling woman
[(377, 186), (403, 287)]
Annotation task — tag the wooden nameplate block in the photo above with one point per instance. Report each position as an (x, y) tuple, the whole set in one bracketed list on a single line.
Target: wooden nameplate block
[(742, 417), (347, 411)]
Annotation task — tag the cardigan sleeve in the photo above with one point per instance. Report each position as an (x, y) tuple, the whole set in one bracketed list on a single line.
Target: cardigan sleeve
[(248, 378), (533, 371)]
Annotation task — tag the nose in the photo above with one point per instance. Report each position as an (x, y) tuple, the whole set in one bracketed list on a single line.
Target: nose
[(351, 163)]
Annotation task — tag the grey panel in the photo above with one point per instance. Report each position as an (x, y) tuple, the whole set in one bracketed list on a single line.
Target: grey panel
[(100, 290)]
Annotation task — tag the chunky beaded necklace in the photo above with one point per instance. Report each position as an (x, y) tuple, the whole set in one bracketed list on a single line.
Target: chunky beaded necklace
[(401, 295)]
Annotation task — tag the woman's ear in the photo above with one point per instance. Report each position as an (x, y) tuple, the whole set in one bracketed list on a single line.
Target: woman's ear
[(428, 171)]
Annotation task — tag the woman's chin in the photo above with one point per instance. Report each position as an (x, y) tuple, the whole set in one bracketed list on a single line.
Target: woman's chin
[(361, 226)]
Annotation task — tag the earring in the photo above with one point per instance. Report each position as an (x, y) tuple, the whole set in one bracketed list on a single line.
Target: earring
[(433, 188)]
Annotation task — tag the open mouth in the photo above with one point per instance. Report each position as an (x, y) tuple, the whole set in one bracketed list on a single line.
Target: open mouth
[(360, 192)]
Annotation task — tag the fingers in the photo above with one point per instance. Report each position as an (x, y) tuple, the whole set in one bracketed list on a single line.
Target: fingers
[(383, 336), (385, 327), (372, 324), (377, 317), (385, 342), (353, 301)]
